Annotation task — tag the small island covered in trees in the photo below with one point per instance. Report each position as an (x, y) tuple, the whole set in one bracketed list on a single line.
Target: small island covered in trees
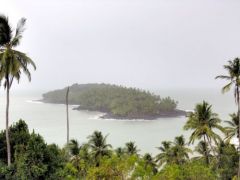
[(116, 102)]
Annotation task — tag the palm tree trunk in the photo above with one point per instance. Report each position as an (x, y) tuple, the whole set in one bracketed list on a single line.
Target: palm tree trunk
[(7, 127), (67, 115), (207, 155), (209, 142), (238, 130)]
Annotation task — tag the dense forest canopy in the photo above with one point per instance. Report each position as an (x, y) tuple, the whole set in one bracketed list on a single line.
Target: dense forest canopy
[(119, 101), (96, 159)]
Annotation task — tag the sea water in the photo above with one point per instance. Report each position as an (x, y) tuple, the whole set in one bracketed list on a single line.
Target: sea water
[(49, 120)]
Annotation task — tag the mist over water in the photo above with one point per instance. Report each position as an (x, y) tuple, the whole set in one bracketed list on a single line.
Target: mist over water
[(50, 119)]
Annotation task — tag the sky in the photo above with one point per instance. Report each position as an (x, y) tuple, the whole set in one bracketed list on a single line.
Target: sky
[(153, 44)]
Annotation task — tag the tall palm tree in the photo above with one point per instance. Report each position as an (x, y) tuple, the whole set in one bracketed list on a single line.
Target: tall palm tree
[(166, 154), (67, 93), (12, 63), (232, 129), (203, 122), (233, 78), (131, 148), (98, 146)]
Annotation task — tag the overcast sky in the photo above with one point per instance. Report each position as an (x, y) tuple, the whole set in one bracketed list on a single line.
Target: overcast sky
[(140, 43)]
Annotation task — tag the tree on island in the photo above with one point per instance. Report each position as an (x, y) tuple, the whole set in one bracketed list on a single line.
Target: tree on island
[(12, 63), (233, 70), (116, 102)]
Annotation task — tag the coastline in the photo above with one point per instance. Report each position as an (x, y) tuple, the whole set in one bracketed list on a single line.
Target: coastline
[(109, 115), (176, 113)]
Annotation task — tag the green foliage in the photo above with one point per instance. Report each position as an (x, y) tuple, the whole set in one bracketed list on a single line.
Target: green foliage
[(131, 148), (232, 130), (18, 139), (94, 160), (117, 100), (33, 158), (99, 147), (192, 171), (227, 160), (203, 121), (113, 168), (173, 152), (13, 63)]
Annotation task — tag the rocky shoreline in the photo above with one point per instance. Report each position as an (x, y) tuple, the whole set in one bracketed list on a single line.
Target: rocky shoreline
[(109, 115)]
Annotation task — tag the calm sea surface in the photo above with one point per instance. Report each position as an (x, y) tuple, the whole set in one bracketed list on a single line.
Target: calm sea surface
[(50, 119)]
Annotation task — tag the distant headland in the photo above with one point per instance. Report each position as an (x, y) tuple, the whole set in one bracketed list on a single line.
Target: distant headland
[(117, 102)]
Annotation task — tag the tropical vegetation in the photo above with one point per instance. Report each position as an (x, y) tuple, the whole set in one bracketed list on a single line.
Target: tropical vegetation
[(117, 101), (208, 153), (12, 63), (96, 159)]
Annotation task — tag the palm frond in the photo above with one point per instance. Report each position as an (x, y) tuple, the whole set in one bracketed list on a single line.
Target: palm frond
[(227, 87), (5, 31), (19, 31), (223, 77)]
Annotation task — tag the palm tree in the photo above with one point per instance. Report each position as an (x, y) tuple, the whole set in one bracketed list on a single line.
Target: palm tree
[(119, 151), (173, 152), (203, 121), (98, 145), (131, 148), (232, 129), (203, 149), (74, 147), (180, 151), (80, 154), (149, 161), (12, 63), (67, 93), (233, 78), (166, 155)]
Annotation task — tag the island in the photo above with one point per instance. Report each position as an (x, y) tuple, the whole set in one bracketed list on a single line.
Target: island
[(116, 102)]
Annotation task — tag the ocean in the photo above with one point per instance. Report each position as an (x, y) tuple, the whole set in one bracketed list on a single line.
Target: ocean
[(49, 120)]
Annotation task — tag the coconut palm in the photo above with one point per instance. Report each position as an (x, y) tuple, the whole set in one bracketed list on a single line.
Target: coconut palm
[(80, 158), (12, 63), (203, 149), (233, 78), (74, 147), (98, 146), (149, 161), (166, 153), (119, 151), (232, 128), (203, 122), (180, 151), (227, 159), (131, 148), (67, 113)]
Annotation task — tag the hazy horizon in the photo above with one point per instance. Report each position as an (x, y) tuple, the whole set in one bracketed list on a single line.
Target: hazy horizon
[(148, 44)]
